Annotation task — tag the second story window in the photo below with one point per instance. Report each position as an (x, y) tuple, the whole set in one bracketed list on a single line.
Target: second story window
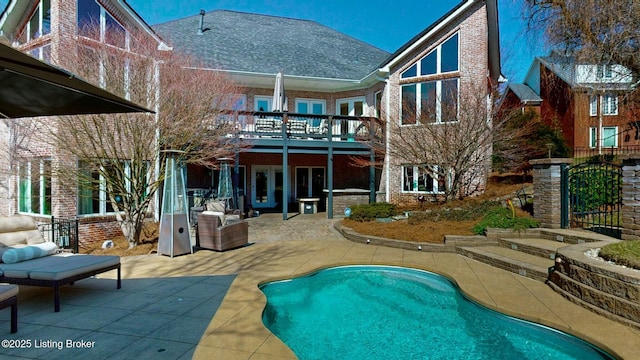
[(39, 23), (96, 23), (610, 104)]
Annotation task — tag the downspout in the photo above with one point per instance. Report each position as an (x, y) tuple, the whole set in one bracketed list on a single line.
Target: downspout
[(387, 145)]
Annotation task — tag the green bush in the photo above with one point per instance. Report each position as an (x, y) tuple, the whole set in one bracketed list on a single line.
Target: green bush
[(625, 253), (369, 212), (502, 218)]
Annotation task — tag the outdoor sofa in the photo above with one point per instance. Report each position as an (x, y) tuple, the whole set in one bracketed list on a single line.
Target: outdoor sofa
[(27, 259)]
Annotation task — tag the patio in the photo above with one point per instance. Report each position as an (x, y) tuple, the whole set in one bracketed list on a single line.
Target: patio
[(208, 305)]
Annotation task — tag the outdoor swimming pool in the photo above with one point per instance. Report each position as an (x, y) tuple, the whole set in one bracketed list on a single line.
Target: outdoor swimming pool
[(381, 312)]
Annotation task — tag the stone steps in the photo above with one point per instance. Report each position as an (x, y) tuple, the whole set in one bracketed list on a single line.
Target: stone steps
[(529, 253), (521, 263)]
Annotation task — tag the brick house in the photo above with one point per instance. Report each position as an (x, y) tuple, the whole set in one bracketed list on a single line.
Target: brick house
[(586, 101), (340, 91)]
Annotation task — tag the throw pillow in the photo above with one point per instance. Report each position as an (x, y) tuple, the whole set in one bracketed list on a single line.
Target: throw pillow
[(15, 255)]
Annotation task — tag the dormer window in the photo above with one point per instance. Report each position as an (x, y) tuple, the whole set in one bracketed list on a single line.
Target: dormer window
[(39, 23), (96, 23), (604, 72)]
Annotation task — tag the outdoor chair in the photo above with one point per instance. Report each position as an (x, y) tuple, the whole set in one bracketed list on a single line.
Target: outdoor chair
[(220, 232), (318, 127)]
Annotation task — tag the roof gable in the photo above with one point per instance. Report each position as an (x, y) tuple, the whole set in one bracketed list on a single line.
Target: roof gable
[(262, 44)]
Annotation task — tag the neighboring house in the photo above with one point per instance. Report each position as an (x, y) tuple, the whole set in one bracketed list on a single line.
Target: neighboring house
[(585, 101), (340, 92)]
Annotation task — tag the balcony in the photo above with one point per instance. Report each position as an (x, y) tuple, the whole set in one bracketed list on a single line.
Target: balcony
[(307, 127)]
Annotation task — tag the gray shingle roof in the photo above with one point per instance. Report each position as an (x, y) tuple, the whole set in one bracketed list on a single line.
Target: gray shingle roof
[(525, 93), (239, 41)]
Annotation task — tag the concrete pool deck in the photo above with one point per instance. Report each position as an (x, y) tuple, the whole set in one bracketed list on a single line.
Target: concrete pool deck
[(302, 244)]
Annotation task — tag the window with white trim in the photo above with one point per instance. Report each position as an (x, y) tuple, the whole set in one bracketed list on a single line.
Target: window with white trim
[(95, 22), (418, 178), (593, 105), (262, 103), (310, 106), (604, 71), (39, 23), (434, 101), (34, 193), (610, 137), (593, 137), (93, 196), (610, 104)]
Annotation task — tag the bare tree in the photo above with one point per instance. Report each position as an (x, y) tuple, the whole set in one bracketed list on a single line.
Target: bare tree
[(119, 156), (452, 139), (594, 31)]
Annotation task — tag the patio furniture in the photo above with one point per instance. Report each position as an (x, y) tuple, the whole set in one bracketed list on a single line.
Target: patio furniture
[(297, 126), (318, 127), (220, 232), (27, 259), (9, 297), (268, 125)]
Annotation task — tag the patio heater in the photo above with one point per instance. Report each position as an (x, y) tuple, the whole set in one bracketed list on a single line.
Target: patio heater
[(174, 238), (225, 184)]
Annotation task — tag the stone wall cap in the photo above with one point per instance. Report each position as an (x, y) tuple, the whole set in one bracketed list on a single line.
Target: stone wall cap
[(551, 161)]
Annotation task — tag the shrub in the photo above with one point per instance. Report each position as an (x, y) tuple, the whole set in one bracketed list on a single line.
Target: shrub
[(369, 212), (625, 253), (502, 218)]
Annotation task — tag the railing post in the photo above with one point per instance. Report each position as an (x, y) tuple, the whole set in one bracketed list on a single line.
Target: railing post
[(330, 169), (285, 170)]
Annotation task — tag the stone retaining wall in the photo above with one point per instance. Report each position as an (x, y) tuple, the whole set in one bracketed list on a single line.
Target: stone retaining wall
[(610, 290)]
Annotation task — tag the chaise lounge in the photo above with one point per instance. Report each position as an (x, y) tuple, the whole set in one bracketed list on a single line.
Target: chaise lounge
[(27, 259)]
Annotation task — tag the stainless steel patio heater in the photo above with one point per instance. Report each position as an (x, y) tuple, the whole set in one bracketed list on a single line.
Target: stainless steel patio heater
[(225, 184), (174, 238)]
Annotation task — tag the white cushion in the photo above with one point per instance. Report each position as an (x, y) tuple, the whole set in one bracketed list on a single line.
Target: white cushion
[(18, 254), (59, 266), (222, 219)]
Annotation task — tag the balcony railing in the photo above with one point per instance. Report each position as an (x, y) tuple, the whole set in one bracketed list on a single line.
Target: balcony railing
[(586, 153), (308, 126)]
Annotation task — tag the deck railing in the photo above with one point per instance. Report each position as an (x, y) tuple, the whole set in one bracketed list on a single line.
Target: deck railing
[(308, 126), (585, 153)]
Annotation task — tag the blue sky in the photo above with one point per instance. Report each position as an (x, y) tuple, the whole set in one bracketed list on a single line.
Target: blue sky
[(382, 23)]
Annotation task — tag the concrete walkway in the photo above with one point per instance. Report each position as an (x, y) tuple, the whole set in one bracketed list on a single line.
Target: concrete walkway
[(208, 305)]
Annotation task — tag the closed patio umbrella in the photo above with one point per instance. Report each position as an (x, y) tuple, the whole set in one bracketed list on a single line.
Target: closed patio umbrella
[(30, 87), (279, 97)]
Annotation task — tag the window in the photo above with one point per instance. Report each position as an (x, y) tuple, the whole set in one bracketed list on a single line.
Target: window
[(610, 137), (93, 196), (610, 105), (418, 178), (96, 23), (262, 103), (433, 101), (593, 105), (43, 53), (604, 72), (310, 106), (34, 179), (39, 23), (442, 59), (430, 102)]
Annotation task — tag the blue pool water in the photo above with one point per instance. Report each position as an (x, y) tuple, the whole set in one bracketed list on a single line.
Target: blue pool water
[(376, 312)]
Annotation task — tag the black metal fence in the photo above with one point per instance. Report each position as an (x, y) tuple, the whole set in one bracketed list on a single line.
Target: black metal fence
[(62, 231)]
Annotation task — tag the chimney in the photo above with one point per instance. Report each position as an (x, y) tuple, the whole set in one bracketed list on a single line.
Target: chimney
[(201, 29)]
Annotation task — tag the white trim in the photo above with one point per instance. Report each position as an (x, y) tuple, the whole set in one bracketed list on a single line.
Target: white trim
[(416, 44)]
